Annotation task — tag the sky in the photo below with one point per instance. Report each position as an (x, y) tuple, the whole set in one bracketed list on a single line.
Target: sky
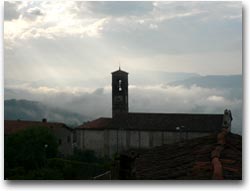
[(67, 50)]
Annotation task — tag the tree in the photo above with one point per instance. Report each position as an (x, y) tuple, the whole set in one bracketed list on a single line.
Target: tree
[(29, 148)]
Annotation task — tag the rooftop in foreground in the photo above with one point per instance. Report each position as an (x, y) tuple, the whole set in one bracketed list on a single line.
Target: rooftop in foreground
[(189, 160)]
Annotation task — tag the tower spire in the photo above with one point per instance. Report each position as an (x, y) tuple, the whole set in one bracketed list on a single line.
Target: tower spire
[(119, 66)]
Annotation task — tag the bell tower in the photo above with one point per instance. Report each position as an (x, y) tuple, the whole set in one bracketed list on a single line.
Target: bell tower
[(119, 94)]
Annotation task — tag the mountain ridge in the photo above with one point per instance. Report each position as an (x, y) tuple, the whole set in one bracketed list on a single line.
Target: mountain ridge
[(35, 111), (212, 81)]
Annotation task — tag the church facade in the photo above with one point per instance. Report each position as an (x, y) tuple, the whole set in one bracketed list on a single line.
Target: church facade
[(126, 130)]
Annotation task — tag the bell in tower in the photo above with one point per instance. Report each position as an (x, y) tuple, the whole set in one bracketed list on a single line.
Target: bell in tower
[(119, 94)]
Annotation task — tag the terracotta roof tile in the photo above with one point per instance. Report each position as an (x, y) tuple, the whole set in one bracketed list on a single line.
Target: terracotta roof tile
[(13, 126), (99, 123), (189, 160)]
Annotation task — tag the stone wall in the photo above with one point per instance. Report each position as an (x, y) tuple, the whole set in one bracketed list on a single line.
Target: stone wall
[(108, 142)]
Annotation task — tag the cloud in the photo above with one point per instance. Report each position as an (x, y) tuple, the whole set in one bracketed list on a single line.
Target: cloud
[(204, 11), (35, 11), (153, 26), (94, 18), (50, 20), (32, 13), (79, 36), (142, 98), (99, 91), (119, 9), (179, 99), (11, 10)]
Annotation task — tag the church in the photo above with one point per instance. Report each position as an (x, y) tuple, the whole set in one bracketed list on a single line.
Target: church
[(126, 130)]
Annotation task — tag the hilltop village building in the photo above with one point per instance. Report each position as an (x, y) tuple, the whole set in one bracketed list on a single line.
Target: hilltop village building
[(62, 132), (126, 130)]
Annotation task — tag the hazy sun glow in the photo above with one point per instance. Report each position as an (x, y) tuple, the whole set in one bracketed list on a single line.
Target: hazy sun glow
[(68, 50)]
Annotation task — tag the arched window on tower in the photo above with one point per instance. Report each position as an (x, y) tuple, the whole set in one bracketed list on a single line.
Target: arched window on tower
[(120, 85)]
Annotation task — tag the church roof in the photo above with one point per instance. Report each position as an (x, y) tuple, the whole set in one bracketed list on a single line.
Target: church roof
[(99, 123), (161, 122), (175, 121)]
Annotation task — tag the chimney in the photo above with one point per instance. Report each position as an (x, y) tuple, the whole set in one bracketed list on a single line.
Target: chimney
[(227, 119)]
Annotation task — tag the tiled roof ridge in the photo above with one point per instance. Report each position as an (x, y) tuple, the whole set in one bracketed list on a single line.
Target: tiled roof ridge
[(216, 153), (27, 121), (90, 123), (104, 118), (12, 126), (98, 119)]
